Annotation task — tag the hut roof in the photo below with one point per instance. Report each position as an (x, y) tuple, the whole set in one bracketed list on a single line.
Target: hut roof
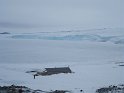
[(59, 69)]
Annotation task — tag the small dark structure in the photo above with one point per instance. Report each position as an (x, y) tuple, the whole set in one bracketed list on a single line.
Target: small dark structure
[(121, 65), (51, 71)]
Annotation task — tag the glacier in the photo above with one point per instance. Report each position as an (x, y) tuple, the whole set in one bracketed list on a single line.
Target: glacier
[(95, 35)]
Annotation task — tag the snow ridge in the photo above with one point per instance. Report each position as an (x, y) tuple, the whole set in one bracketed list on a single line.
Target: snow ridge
[(115, 36), (83, 37)]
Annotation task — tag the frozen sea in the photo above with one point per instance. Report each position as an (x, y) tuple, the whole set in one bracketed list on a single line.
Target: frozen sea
[(94, 55)]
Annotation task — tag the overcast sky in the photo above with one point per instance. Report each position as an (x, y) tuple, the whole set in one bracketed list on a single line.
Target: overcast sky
[(64, 13)]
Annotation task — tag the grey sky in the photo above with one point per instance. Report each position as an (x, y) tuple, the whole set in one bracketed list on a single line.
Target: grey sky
[(68, 13)]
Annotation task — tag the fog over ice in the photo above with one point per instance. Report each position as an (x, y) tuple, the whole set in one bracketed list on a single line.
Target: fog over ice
[(68, 14)]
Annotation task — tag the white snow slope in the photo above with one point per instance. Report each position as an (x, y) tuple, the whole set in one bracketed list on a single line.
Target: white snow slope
[(94, 55)]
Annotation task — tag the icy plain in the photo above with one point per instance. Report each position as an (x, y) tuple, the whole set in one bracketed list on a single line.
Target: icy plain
[(94, 55)]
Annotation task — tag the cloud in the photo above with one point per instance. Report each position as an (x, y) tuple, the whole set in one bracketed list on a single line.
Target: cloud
[(15, 25), (85, 13)]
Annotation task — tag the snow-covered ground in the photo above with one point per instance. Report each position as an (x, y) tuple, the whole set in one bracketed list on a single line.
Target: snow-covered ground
[(94, 55)]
